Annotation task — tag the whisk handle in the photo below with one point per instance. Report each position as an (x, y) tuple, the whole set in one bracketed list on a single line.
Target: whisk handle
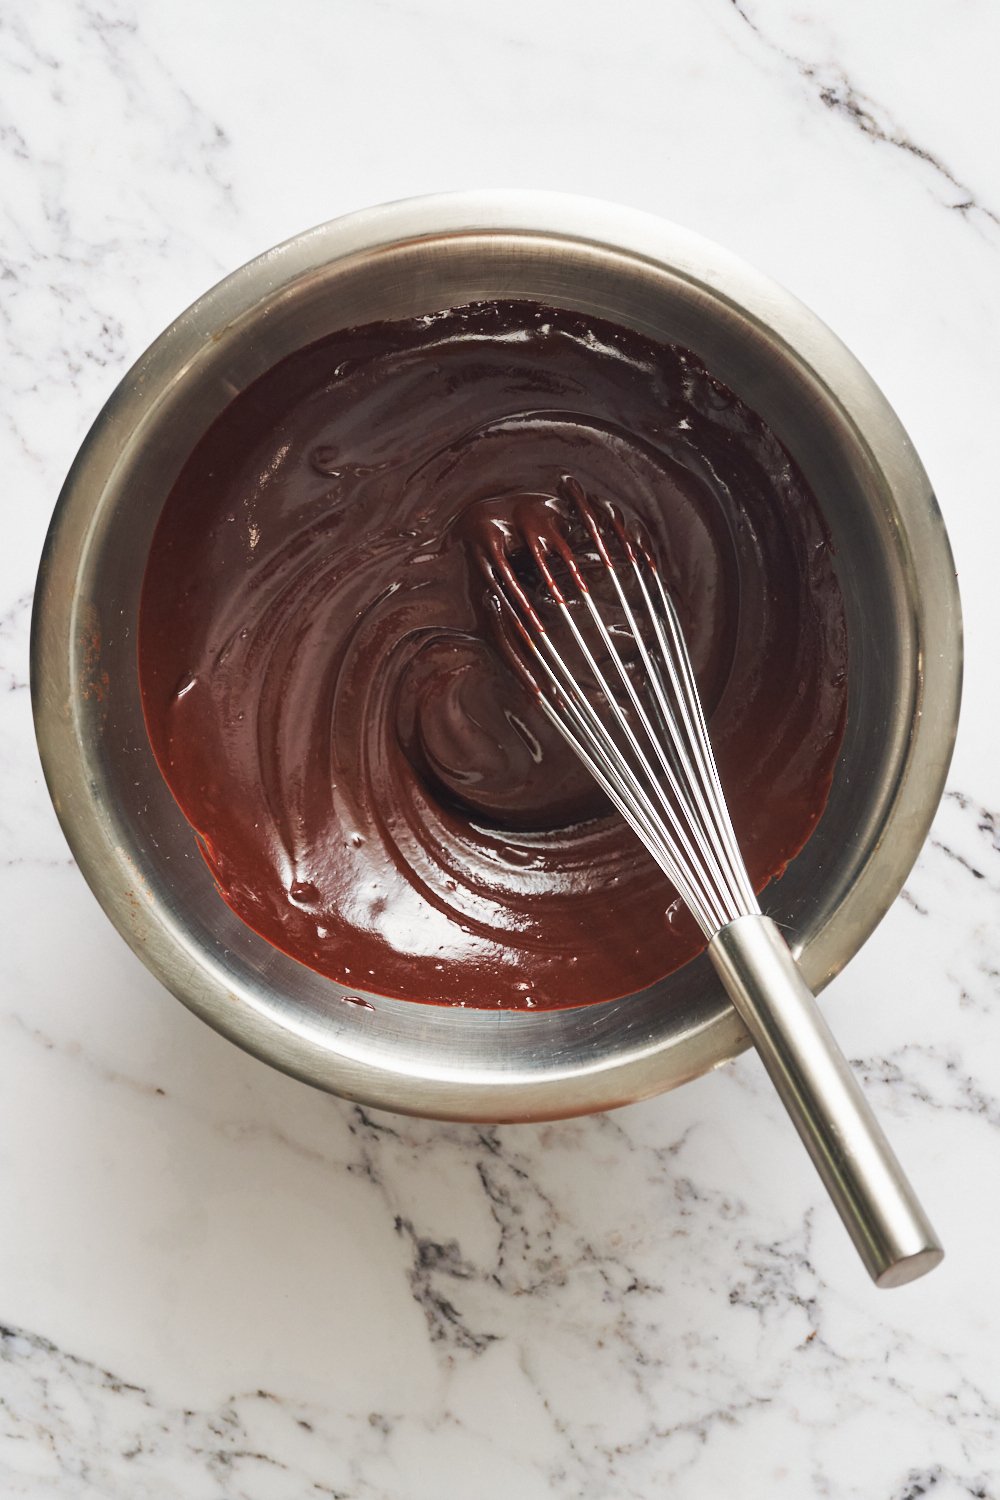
[(821, 1094)]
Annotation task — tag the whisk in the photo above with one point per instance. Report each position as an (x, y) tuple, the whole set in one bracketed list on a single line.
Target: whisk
[(591, 627)]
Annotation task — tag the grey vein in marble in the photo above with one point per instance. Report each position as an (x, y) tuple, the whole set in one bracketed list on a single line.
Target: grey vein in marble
[(833, 88)]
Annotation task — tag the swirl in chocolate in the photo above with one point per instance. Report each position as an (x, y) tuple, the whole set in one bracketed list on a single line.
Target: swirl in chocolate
[(373, 787)]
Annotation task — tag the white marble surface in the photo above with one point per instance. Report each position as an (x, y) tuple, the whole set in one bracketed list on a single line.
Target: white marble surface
[(216, 1283)]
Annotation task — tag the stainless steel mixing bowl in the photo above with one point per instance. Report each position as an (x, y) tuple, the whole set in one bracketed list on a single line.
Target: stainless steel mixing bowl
[(136, 849)]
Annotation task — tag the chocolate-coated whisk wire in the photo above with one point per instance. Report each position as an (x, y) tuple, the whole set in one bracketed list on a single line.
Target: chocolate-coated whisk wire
[(656, 765)]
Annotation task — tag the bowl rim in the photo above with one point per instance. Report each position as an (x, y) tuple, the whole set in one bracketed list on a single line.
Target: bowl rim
[(503, 1094)]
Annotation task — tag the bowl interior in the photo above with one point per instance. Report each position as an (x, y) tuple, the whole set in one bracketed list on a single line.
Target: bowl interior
[(136, 848)]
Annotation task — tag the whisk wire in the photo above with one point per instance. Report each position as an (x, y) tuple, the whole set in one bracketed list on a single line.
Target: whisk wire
[(689, 741), (580, 725), (661, 776), (679, 823), (687, 829), (690, 700)]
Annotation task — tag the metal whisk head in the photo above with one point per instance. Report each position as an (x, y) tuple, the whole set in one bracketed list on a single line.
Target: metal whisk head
[(595, 633)]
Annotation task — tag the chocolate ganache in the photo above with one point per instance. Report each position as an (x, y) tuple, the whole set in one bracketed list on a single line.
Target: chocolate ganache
[(373, 787)]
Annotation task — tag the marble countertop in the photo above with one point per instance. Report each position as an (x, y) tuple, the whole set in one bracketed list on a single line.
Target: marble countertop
[(215, 1282)]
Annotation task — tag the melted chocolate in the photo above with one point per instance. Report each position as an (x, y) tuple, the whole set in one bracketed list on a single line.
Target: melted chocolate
[(374, 789)]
